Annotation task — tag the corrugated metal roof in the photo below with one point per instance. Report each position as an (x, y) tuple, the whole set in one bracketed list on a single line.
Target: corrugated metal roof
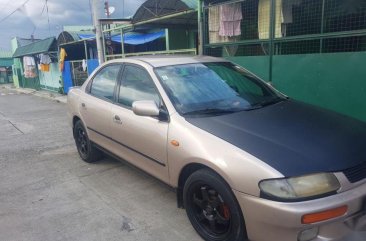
[(193, 4), (153, 9), (5, 54), (25, 41), (6, 62), (42, 46)]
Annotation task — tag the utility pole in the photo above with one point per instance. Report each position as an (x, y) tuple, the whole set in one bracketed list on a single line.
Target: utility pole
[(106, 7), (200, 28), (107, 35), (98, 32)]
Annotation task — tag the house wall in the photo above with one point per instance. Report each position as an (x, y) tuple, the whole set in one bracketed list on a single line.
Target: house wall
[(16, 65), (51, 80)]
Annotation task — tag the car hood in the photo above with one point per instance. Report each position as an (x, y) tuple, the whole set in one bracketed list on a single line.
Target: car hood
[(292, 137)]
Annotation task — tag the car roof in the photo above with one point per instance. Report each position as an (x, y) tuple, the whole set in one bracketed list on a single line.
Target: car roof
[(166, 60)]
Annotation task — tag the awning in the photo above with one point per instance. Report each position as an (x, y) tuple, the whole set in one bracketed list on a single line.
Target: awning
[(41, 46), (131, 38)]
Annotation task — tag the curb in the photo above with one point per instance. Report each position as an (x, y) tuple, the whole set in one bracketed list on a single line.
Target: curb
[(43, 94)]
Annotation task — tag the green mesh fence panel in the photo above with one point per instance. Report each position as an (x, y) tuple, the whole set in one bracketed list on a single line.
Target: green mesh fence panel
[(284, 27), (344, 15)]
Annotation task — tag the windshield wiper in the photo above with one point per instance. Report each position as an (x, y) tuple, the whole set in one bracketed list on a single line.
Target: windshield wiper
[(265, 103), (208, 111)]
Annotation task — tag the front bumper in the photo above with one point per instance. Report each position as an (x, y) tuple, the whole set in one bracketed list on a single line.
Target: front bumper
[(268, 220)]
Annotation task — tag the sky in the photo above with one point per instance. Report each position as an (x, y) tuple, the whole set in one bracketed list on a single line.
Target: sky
[(31, 17)]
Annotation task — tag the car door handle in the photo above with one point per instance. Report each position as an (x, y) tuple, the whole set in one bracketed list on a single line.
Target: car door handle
[(117, 119)]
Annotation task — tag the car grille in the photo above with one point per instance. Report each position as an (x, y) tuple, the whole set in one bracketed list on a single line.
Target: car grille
[(356, 173)]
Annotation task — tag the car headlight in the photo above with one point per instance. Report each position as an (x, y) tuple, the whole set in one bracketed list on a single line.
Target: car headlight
[(299, 188)]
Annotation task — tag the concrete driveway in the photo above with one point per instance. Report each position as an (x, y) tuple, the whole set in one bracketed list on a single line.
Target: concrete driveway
[(48, 193)]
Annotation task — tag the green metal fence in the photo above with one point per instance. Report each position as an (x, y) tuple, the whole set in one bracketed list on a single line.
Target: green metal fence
[(311, 50)]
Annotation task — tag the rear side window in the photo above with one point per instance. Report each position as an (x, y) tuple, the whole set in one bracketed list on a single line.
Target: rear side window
[(136, 85), (104, 82)]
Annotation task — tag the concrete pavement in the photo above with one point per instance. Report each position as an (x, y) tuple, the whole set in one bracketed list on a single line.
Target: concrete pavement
[(48, 193)]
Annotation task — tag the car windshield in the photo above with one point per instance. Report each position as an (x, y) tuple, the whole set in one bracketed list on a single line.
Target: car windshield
[(214, 88)]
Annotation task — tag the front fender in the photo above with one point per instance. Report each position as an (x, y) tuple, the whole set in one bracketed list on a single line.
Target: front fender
[(238, 168)]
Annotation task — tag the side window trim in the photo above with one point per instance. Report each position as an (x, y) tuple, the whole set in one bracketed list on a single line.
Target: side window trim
[(90, 84), (116, 87), (119, 84)]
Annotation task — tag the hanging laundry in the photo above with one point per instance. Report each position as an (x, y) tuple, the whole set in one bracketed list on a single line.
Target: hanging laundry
[(287, 11), (44, 67), (45, 59), (84, 65), (230, 19), (214, 26), (264, 15), (231, 49), (29, 66), (287, 8), (63, 55), (44, 62), (29, 61)]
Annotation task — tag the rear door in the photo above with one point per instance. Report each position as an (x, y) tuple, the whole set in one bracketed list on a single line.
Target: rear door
[(96, 104), (141, 140)]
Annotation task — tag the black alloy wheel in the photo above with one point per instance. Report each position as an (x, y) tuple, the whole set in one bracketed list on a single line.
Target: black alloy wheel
[(86, 150), (82, 142), (212, 208)]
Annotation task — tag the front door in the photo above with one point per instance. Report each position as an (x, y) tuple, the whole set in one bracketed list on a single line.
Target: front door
[(141, 140)]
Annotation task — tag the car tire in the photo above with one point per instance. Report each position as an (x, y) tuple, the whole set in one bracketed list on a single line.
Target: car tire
[(86, 150), (212, 207)]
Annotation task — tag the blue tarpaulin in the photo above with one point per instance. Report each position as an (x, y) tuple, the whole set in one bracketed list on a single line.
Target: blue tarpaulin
[(66, 76), (92, 65), (131, 38)]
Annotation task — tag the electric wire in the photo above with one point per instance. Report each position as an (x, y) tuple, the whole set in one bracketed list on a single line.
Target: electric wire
[(48, 19), (43, 8), (10, 14)]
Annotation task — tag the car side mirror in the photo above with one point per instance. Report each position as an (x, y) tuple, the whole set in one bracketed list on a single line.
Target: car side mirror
[(145, 108)]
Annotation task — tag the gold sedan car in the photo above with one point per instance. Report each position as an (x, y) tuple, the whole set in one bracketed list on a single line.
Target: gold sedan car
[(247, 162)]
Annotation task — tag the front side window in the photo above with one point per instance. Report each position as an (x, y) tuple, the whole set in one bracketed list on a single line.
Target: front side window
[(136, 85), (214, 88), (104, 82)]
